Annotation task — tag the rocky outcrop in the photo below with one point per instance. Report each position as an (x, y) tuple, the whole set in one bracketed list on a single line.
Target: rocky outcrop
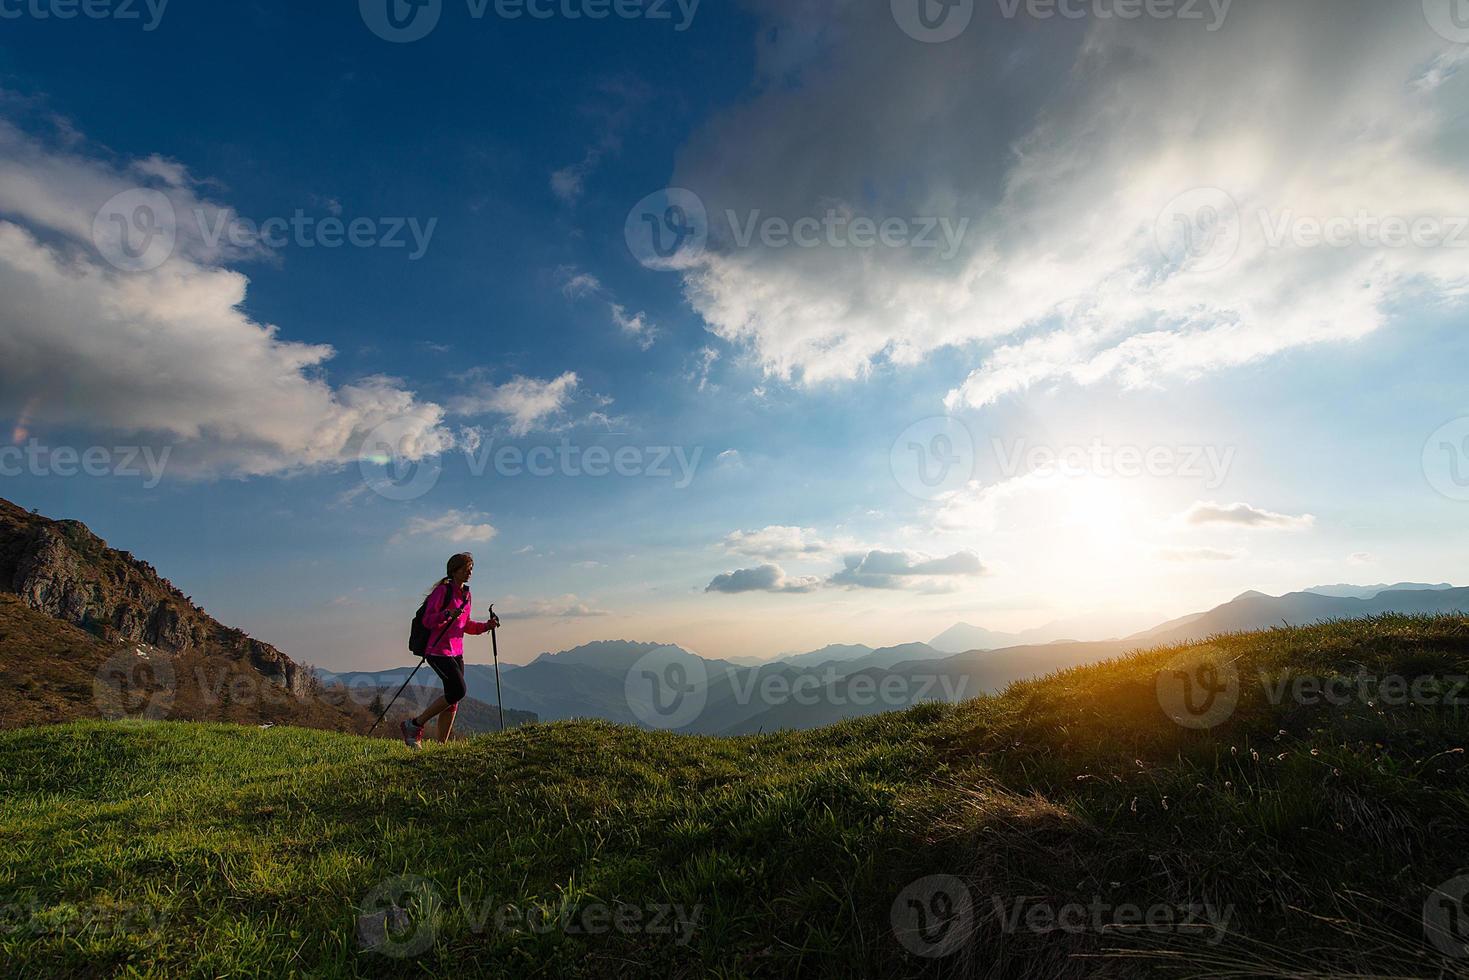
[(62, 569)]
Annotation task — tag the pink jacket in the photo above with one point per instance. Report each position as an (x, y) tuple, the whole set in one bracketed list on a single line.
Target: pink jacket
[(440, 610)]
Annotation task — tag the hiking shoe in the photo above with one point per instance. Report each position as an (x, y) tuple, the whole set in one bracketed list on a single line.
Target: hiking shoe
[(412, 734)]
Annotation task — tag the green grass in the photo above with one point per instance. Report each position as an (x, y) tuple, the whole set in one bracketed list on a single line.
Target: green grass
[(210, 850)]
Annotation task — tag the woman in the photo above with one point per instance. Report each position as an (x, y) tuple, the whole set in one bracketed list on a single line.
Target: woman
[(446, 617)]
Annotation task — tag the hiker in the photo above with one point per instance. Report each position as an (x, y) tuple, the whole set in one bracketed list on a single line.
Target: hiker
[(446, 617)]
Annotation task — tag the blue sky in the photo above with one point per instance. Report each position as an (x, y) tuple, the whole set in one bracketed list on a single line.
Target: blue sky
[(1135, 266)]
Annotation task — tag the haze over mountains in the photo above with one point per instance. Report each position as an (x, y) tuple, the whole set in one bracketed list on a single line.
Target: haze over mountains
[(635, 682), (76, 605)]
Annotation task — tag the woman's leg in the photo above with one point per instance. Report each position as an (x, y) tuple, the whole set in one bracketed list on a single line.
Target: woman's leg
[(434, 710), (454, 691), (444, 667)]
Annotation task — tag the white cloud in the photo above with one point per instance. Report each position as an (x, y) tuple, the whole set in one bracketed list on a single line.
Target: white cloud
[(616, 102), (561, 607), (579, 285), (901, 569), (1243, 515), (777, 542), (168, 356), (527, 402), (635, 326), (1362, 558), (703, 363), (1065, 148), (766, 578), (455, 526)]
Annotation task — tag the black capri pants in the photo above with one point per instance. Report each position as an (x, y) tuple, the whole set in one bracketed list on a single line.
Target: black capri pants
[(451, 672)]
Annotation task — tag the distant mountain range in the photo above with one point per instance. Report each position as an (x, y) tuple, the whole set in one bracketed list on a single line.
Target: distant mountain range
[(962, 637), (73, 609), (1369, 591), (819, 687)]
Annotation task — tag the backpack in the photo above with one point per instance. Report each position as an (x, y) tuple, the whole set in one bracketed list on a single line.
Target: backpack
[(419, 639)]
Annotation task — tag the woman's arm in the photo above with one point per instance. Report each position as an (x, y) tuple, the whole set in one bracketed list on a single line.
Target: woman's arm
[(439, 612), (475, 629)]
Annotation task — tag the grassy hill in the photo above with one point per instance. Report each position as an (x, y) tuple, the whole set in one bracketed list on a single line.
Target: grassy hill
[(1067, 827)]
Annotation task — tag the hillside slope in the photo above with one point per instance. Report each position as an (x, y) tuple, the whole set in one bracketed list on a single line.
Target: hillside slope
[(87, 631), (1065, 828), (1256, 611), (62, 569)]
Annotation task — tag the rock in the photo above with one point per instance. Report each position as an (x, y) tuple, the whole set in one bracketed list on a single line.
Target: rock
[(62, 569)]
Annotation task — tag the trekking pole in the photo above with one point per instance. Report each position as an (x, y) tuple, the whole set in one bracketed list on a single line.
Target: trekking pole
[(394, 701), (495, 646)]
